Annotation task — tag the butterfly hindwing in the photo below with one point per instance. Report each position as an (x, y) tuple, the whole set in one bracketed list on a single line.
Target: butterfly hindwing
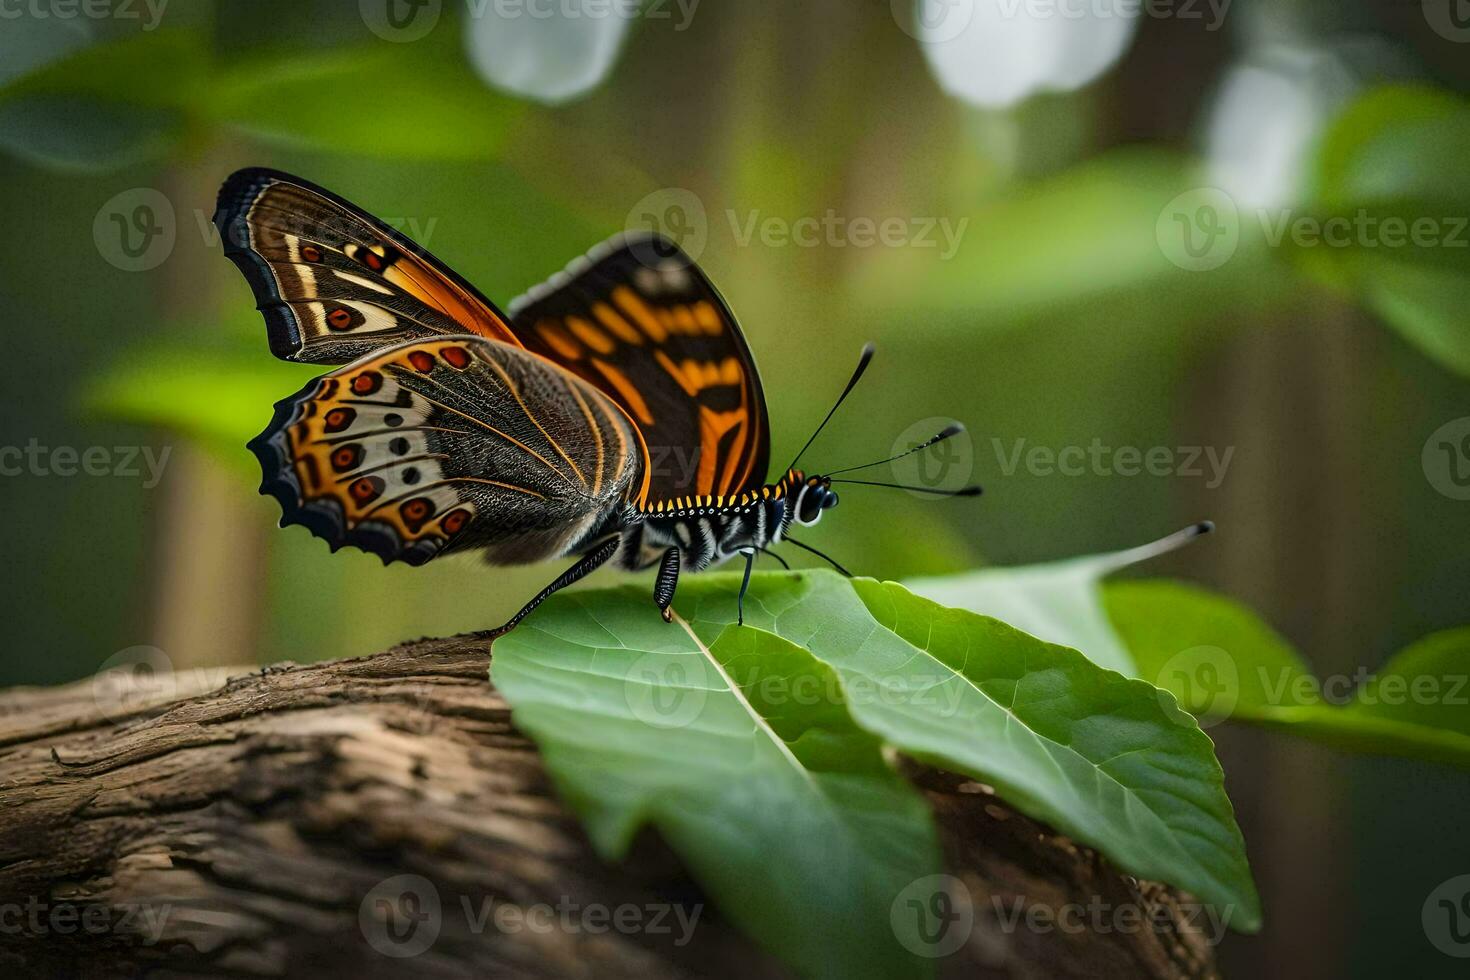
[(637, 318), (454, 443), (334, 282)]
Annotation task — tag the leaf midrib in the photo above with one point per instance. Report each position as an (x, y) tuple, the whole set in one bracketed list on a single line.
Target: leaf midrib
[(755, 716), (1069, 750)]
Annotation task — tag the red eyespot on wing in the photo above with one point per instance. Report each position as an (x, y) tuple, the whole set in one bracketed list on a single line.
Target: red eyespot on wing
[(366, 383), (455, 521), (416, 512), (372, 260), (457, 357), (339, 418), (366, 489), (422, 361), (345, 458), (340, 319), (311, 253)]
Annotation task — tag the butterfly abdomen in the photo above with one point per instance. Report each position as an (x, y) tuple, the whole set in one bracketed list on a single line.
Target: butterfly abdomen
[(707, 529)]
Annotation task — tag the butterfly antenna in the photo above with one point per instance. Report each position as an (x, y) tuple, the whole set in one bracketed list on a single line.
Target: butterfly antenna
[(828, 559), (974, 490), (863, 359), (949, 431)]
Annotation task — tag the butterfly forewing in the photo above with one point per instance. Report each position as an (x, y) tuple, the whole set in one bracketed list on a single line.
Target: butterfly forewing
[(334, 282), (637, 318), (451, 444)]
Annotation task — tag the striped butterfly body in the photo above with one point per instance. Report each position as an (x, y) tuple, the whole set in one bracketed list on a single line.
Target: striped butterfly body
[(614, 415)]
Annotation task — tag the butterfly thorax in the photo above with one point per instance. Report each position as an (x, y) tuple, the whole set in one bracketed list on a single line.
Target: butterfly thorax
[(709, 529)]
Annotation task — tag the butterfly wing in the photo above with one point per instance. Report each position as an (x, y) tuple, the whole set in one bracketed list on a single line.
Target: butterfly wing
[(334, 282), (455, 443), (637, 318)]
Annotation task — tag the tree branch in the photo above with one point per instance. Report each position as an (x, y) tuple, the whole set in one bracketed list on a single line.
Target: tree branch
[(262, 826)]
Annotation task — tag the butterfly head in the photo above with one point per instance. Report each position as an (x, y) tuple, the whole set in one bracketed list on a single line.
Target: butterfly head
[(814, 496)]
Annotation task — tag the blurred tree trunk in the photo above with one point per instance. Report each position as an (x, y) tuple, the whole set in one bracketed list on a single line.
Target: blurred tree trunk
[(1282, 395), (210, 543)]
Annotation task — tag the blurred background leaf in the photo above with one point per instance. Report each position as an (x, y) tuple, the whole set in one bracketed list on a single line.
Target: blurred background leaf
[(1398, 154)]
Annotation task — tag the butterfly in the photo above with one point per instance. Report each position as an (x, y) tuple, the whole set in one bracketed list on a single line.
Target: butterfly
[(614, 413)]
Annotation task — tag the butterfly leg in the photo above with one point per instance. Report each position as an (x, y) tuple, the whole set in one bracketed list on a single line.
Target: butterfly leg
[(749, 554), (588, 564), (667, 582)]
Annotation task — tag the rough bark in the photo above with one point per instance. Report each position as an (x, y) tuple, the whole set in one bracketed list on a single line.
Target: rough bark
[(258, 826)]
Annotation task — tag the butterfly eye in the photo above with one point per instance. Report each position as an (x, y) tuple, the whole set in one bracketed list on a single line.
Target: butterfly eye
[(810, 506)]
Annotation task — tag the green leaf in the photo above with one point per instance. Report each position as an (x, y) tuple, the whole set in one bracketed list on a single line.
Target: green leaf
[(105, 106), (393, 100), (1222, 661), (1102, 758), (781, 806), (1397, 153), (1055, 601), (1212, 653), (1066, 244), (219, 398), (111, 103), (1425, 684)]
